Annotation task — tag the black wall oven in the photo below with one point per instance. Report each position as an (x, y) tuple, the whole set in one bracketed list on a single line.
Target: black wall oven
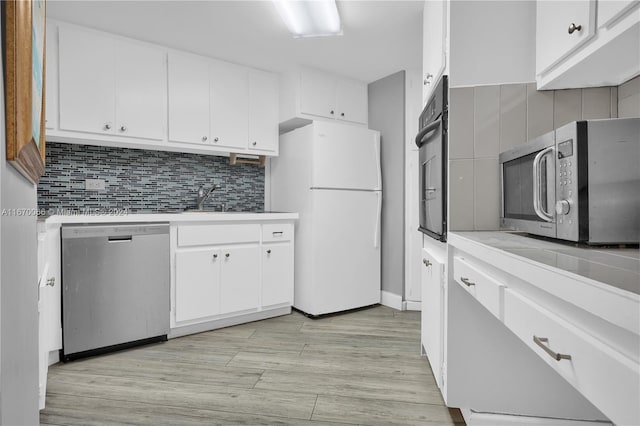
[(432, 144)]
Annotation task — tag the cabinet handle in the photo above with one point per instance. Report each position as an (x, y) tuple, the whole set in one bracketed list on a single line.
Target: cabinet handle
[(540, 341), (204, 138), (215, 256), (107, 126), (342, 114), (427, 79), (573, 28), (227, 255), (467, 282), (123, 128), (215, 139), (255, 143), (332, 112), (51, 281), (277, 233), (269, 251), (426, 262)]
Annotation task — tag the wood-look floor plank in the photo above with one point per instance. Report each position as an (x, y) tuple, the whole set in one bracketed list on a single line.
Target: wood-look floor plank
[(186, 395), (376, 412), (81, 410), (361, 367), (175, 371), (355, 384)]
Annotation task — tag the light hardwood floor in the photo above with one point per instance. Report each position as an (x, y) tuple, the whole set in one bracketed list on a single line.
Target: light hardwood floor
[(362, 367)]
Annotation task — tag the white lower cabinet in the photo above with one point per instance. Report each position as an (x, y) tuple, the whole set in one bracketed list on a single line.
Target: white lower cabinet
[(432, 327), (227, 271), (197, 284), (277, 274), (240, 283)]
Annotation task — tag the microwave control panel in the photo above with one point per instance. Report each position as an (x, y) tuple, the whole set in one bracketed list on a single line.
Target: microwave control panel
[(566, 207)]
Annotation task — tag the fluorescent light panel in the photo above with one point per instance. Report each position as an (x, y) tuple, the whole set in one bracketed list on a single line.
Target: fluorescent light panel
[(310, 18)]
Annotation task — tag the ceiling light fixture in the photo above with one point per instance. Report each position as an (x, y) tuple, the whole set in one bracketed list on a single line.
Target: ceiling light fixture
[(310, 18)]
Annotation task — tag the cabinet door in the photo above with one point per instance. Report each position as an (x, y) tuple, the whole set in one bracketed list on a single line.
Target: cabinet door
[(51, 97), (229, 105), (263, 111), (277, 274), (317, 93), (433, 313), (240, 279), (140, 91), (87, 81), (351, 101), (197, 284), (433, 50), (188, 99), (556, 29), (609, 11)]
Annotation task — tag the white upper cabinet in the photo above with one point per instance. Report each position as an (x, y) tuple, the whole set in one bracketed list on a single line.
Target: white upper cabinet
[(87, 81), (586, 43), (561, 26), (110, 86), (140, 91), (104, 89), (188, 99), (317, 93), (263, 117), (434, 24), (351, 101), (51, 86), (229, 105), (309, 93)]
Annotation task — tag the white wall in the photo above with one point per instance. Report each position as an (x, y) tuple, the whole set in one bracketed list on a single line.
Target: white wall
[(18, 295), (492, 42)]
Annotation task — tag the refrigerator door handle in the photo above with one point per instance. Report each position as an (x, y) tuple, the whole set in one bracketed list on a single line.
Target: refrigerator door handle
[(376, 238), (378, 166)]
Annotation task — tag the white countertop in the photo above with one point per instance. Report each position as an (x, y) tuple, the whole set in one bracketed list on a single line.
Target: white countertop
[(617, 267), (191, 216)]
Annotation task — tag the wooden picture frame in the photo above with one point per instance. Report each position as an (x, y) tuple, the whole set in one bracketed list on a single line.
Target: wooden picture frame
[(24, 73)]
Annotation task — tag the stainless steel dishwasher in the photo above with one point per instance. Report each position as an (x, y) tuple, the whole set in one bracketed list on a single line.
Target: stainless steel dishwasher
[(115, 293)]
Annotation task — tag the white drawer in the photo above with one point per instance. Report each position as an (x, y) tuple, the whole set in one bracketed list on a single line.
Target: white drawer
[(277, 232), (487, 290), (609, 380), (202, 235)]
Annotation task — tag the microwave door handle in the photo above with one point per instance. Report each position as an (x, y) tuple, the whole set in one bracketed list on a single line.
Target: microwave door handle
[(425, 131), (537, 183)]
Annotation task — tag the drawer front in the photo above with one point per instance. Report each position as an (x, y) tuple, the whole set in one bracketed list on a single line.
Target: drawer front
[(277, 232), (202, 235), (606, 378), (487, 290)]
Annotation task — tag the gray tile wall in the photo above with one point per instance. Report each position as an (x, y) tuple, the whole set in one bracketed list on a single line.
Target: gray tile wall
[(629, 98), (486, 120), (144, 181)]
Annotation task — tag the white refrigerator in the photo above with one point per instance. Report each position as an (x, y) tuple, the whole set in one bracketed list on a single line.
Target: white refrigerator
[(330, 174)]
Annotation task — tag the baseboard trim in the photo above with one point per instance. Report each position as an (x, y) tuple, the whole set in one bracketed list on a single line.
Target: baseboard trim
[(411, 305), (391, 300), (227, 322), (475, 418)]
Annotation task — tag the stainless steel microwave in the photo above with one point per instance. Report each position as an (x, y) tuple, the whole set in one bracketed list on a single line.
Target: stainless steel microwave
[(579, 183)]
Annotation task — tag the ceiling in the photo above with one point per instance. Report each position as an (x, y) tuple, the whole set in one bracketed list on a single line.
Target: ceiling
[(380, 37)]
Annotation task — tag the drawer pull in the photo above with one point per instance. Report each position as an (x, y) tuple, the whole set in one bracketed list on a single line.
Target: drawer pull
[(467, 282), (426, 262), (540, 341), (277, 233)]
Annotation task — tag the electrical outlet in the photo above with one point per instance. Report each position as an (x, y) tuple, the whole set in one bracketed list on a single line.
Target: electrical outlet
[(94, 184)]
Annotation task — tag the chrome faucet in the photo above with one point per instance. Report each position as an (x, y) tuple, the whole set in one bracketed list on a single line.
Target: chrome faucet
[(202, 195)]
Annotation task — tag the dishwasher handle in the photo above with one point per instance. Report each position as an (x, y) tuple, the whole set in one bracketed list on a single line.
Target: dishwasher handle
[(120, 239)]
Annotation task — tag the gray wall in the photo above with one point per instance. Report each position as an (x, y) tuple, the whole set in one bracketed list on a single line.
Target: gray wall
[(18, 295), (387, 115), (486, 120), (629, 98)]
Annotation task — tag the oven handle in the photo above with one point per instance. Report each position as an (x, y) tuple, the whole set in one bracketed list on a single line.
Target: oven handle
[(426, 130), (537, 182)]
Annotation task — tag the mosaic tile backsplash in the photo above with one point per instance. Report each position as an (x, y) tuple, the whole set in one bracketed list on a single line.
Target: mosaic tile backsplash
[(144, 181)]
